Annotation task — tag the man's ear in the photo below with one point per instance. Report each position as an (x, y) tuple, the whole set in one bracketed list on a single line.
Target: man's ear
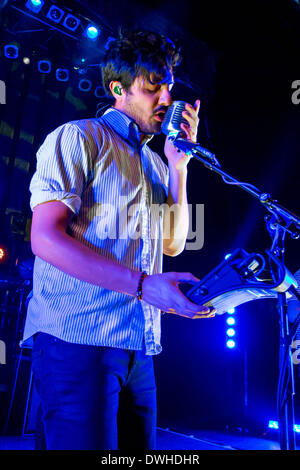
[(115, 89)]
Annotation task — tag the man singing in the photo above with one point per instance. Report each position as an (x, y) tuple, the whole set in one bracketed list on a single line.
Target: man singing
[(98, 288)]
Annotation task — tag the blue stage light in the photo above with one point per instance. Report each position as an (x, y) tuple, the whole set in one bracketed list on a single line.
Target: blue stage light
[(231, 310), (227, 256), (230, 321), (11, 51), (230, 332), (55, 14), (71, 22), (34, 5), (296, 427), (230, 344), (44, 66), (275, 425), (92, 32), (62, 75), (85, 85)]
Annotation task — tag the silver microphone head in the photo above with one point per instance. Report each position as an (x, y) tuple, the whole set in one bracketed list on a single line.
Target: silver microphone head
[(173, 118)]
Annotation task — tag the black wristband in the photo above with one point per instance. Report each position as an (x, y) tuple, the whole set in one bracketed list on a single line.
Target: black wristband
[(139, 292)]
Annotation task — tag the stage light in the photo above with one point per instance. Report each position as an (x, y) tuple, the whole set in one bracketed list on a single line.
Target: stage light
[(55, 14), (34, 5), (71, 22), (3, 254), (44, 66), (92, 32), (230, 321), (26, 60), (227, 256), (230, 332), (11, 51), (275, 425), (296, 3), (85, 84), (230, 344), (62, 75)]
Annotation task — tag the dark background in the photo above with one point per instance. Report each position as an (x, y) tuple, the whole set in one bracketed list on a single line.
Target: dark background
[(240, 59)]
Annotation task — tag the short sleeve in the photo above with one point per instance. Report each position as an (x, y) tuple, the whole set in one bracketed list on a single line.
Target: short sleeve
[(62, 170)]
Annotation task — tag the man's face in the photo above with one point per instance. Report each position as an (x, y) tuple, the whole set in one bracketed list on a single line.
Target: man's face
[(146, 103)]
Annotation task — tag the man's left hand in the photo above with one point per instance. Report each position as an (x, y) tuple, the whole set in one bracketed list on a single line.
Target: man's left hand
[(177, 158)]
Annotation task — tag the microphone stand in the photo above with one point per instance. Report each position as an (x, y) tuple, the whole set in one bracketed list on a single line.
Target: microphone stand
[(279, 222)]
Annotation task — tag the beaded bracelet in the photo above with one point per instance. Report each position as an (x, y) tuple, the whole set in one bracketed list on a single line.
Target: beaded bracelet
[(139, 292)]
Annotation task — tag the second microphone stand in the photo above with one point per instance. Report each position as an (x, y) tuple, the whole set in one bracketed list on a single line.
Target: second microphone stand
[(280, 222)]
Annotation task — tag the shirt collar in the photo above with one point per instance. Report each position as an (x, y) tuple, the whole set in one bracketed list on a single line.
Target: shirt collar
[(125, 126)]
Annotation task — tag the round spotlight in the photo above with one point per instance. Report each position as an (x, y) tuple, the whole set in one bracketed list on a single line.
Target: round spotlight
[(71, 22), (34, 5), (85, 85), (230, 321), (3, 254), (230, 344), (92, 32), (55, 14), (26, 60), (62, 75), (44, 66), (230, 332), (231, 310), (11, 51)]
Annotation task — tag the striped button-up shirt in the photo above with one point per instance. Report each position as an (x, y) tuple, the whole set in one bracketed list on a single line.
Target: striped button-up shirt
[(116, 186)]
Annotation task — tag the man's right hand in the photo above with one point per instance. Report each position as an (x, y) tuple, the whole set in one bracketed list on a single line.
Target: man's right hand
[(162, 291)]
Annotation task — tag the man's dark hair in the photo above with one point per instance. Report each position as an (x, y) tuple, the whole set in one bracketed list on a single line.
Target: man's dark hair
[(139, 53)]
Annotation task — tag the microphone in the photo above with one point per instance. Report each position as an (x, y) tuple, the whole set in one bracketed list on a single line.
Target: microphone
[(171, 128), (173, 118)]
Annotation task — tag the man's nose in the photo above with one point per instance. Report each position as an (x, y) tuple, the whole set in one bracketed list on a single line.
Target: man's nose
[(165, 98)]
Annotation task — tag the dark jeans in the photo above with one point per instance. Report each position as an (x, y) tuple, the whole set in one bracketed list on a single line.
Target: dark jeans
[(94, 397)]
